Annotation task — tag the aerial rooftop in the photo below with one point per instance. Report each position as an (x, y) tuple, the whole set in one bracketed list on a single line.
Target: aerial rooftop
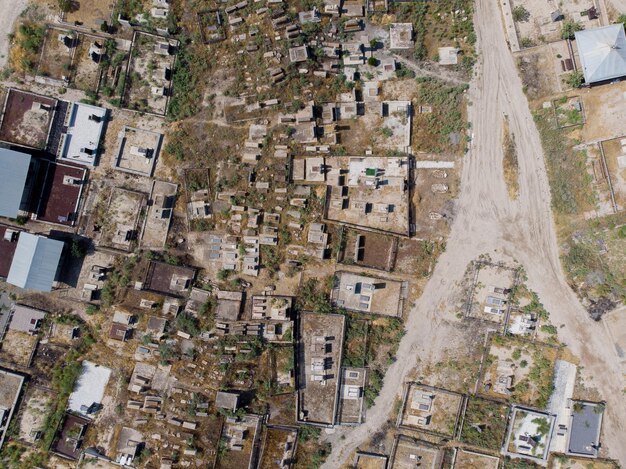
[(14, 168), (80, 142), (35, 262)]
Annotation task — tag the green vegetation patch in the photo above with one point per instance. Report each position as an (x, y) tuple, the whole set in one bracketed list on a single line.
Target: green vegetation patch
[(485, 423), (570, 182), (434, 129)]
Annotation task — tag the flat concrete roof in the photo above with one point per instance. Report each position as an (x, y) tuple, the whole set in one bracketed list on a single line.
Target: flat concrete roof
[(25, 318), (90, 387), (585, 425), (85, 124)]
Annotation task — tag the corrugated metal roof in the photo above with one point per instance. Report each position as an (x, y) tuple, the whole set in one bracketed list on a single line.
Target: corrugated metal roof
[(13, 172), (35, 262), (602, 52)]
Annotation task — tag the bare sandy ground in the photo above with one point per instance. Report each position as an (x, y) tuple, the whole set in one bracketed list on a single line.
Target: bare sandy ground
[(488, 222), (10, 9)]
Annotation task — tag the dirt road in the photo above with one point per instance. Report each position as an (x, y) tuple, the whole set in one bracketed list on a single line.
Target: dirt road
[(11, 9), (488, 222)]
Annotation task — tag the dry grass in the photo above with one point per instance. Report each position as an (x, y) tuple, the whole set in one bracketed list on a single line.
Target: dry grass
[(509, 161)]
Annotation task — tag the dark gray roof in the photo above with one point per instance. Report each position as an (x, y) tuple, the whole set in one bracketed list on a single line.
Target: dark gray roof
[(585, 430), (13, 172), (35, 262)]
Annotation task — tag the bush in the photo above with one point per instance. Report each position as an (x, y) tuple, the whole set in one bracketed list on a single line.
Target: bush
[(191, 63), (65, 5), (575, 79), (188, 323), (569, 28), (31, 37), (520, 13), (77, 249)]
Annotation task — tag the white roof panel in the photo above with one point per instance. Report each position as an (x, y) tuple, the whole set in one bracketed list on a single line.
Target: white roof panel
[(602, 52), (35, 262)]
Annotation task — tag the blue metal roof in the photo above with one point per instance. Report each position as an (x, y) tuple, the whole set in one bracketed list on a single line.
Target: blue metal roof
[(13, 172), (35, 262)]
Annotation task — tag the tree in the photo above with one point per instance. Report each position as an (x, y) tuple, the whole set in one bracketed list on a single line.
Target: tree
[(622, 19), (575, 79), (372, 61), (569, 28), (77, 249), (520, 13), (65, 5)]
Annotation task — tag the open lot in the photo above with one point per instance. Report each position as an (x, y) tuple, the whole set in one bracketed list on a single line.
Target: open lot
[(615, 156), (351, 395), (605, 111), (86, 71), (89, 13), (366, 294), (539, 26), (118, 217), (569, 462), (17, 348), (149, 73), (519, 370), (409, 453), (279, 444), (26, 118), (137, 151), (471, 460), (284, 369), (374, 250), (370, 461), (10, 387), (373, 193), (241, 440), (569, 111), (384, 127), (616, 324), (33, 414), (485, 423), (431, 410), (157, 223), (490, 293), (533, 64), (90, 275), (320, 344), (432, 193), (57, 53)]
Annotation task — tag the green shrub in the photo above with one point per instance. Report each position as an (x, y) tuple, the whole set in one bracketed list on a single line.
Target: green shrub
[(575, 79), (569, 28), (520, 13)]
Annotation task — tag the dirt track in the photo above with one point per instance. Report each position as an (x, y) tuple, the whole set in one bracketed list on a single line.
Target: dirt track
[(488, 222), (11, 9)]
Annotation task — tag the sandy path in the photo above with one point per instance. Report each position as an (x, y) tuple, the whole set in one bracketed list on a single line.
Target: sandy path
[(10, 9), (488, 222)]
